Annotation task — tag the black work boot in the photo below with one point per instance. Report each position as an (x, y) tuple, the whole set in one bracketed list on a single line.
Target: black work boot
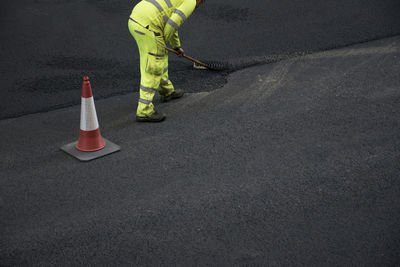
[(178, 93), (155, 117)]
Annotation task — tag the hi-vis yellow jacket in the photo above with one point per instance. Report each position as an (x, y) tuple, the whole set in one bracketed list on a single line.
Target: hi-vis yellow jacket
[(164, 17)]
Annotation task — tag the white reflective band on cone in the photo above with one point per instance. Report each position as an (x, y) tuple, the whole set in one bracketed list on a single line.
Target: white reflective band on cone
[(89, 120)]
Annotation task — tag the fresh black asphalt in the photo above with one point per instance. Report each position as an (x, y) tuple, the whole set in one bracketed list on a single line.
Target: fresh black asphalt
[(293, 163), (47, 46)]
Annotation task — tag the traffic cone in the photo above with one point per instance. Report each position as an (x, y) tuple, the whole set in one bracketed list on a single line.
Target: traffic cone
[(91, 144), (90, 138)]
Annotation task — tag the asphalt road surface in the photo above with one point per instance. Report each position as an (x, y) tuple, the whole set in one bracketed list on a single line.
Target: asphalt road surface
[(47, 46), (292, 163)]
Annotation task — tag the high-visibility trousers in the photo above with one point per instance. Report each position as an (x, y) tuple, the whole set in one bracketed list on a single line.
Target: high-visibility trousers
[(153, 67)]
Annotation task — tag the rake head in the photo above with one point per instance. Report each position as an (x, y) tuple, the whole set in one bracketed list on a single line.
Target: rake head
[(212, 65)]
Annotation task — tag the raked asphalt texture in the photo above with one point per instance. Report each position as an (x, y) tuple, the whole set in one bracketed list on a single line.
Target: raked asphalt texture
[(294, 163)]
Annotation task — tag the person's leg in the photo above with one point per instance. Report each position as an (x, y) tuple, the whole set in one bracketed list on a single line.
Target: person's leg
[(152, 53), (166, 87)]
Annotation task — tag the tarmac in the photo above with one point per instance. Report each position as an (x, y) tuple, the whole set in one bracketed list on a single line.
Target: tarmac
[(47, 47), (294, 163), (291, 157)]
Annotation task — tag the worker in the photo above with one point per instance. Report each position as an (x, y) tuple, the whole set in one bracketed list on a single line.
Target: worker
[(153, 23)]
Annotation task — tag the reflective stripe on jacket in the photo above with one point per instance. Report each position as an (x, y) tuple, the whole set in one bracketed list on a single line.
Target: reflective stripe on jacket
[(164, 16)]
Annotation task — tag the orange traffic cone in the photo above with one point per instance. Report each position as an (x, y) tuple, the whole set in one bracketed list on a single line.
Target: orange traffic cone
[(91, 144), (90, 138)]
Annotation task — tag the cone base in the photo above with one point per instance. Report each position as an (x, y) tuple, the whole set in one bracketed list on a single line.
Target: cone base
[(87, 156), (90, 141)]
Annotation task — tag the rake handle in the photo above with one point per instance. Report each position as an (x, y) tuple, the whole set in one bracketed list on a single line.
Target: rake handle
[(187, 57)]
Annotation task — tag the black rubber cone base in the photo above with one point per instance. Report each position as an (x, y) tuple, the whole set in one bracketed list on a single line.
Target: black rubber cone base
[(86, 156)]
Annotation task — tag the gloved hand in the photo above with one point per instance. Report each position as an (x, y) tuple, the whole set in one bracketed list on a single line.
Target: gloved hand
[(180, 51)]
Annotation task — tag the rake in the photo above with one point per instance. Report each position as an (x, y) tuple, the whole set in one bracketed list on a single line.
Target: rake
[(217, 66)]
